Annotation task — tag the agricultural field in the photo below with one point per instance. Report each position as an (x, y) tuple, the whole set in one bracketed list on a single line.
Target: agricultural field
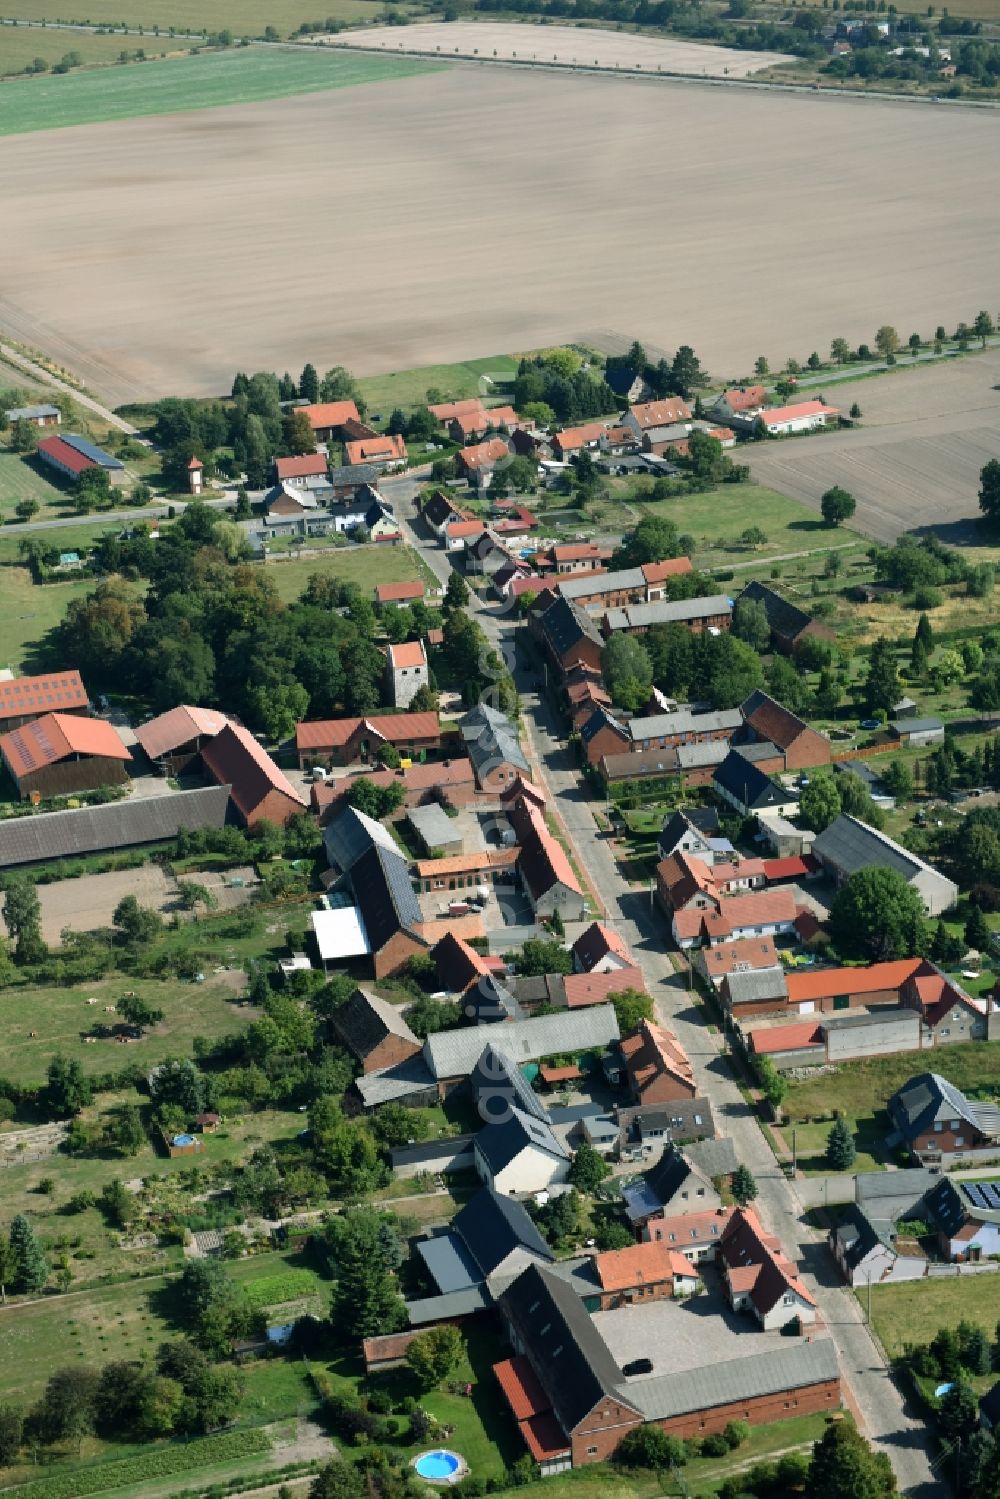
[(191, 83), (569, 46), (913, 465), (912, 1311), (241, 17), (28, 611), (417, 299), (21, 46), (366, 566)]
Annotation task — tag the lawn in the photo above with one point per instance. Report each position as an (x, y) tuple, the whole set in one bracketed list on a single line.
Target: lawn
[(188, 83), (60, 1016), (242, 17), (860, 1089), (72, 538), (20, 47), (810, 1145), (21, 480), (28, 611), (366, 566), (912, 1311), (717, 520), (407, 388)]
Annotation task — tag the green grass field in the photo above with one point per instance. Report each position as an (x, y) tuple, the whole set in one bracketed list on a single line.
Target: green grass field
[(913, 1310), (241, 17), (21, 480), (406, 388), (389, 564), (60, 1015), (67, 538), (860, 1089), (20, 47), (716, 521), (28, 611), (188, 83)]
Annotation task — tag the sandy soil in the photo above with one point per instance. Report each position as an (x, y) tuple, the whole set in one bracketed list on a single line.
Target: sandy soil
[(89, 902), (442, 216), (565, 46), (915, 461)]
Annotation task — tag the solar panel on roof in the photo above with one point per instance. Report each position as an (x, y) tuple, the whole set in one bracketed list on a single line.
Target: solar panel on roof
[(992, 1194), (974, 1195)]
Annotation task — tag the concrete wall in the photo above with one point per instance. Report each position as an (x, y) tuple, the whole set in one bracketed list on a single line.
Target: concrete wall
[(936, 892), (894, 1032)]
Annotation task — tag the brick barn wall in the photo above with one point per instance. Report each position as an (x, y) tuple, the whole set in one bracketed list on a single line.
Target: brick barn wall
[(396, 952), (761, 1410), (603, 1429), (276, 807), (388, 1053)]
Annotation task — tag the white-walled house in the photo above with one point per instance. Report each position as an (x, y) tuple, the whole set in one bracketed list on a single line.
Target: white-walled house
[(520, 1155)]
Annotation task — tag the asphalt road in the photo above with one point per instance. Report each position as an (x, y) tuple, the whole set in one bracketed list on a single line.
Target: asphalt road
[(872, 1393)]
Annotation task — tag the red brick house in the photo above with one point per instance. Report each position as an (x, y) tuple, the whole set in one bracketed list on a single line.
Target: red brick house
[(374, 1032), (657, 1066), (768, 721), (350, 741), (329, 418), (648, 1271), (259, 791)]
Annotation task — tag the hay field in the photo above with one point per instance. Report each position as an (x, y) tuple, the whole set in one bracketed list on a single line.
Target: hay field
[(565, 46), (914, 463), (433, 218), (19, 47), (241, 17)]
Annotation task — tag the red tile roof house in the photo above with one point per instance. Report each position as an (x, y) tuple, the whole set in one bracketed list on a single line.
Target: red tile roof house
[(329, 418), (759, 1277), (747, 953), (176, 738), (762, 913), (446, 410), (599, 949), (694, 1235), (572, 440), (657, 573), (650, 1271), (472, 426), (739, 400), (578, 557), (352, 741), (259, 791), (767, 720), (384, 452), (544, 865), (804, 416), (59, 754), (458, 535), (649, 415), (657, 1066), (585, 989), (476, 464), (25, 698), (294, 470), (410, 591)]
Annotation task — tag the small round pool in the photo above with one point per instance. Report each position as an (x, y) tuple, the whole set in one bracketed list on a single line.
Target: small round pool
[(440, 1466), (183, 1139), (943, 1389)]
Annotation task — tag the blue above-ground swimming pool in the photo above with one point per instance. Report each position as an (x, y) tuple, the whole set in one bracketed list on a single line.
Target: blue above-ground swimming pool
[(943, 1389), (183, 1140), (439, 1467)]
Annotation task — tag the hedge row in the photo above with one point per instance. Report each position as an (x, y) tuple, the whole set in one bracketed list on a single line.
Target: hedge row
[(161, 1463)]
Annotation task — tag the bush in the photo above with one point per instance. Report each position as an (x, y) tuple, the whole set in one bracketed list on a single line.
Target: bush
[(714, 1445), (736, 1433), (927, 597), (380, 1401)]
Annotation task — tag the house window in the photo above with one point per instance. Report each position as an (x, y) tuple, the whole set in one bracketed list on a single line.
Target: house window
[(959, 1140), (938, 1126), (591, 1451)]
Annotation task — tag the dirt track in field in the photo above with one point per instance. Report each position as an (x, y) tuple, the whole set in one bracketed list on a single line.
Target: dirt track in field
[(441, 216), (914, 463)]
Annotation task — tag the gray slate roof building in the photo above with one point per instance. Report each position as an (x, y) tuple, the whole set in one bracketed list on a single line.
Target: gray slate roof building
[(455, 1053), (499, 1144), (756, 986), (569, 1355), (565, 624), (490, 1002), (125, 824), (586, 584), (492, 1226), (664, 725), (384, 895), (498, 1085), (668, 612), (351, 833), (659, 1397), (434, 827), (491, 740), (848, 845), (928, 1099)]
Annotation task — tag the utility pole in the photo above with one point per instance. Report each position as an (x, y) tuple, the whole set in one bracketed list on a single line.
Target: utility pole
[(794, 1156)]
